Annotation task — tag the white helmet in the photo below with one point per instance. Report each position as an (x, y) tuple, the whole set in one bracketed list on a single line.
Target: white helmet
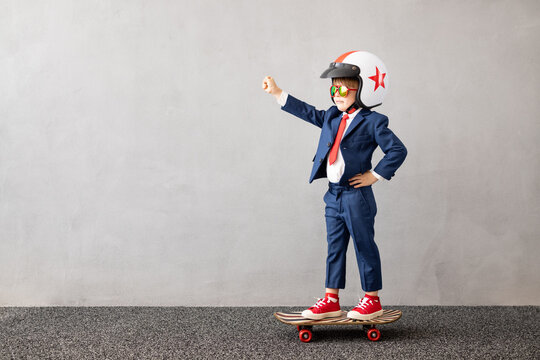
[(370, 72)]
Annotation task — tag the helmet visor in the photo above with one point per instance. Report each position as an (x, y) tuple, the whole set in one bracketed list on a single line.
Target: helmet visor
[(340, 70)]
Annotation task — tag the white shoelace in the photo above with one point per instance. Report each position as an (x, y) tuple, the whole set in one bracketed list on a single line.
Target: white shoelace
[(363, 303), (320, 302)]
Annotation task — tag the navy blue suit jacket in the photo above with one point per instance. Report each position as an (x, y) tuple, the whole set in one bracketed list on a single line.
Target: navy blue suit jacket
[(367, 130)]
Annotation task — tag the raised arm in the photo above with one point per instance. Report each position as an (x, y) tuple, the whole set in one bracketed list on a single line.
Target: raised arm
[(292, 105)]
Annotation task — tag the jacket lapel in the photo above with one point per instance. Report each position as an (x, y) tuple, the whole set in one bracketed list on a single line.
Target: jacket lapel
[(356, 121), (335, 126)]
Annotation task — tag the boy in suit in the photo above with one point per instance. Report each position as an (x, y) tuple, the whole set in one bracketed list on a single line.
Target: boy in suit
[(350, 132)]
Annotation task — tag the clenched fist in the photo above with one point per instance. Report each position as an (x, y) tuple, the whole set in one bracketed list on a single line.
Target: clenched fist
[(269, 85)]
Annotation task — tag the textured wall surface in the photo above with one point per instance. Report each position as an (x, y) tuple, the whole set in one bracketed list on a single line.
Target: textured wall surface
[(142, 164)]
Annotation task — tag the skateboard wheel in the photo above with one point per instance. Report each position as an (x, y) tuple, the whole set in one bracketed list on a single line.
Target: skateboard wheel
[(305, 335), (373, 334)]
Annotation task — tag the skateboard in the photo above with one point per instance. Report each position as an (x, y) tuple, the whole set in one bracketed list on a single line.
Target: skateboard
[(304, 325)]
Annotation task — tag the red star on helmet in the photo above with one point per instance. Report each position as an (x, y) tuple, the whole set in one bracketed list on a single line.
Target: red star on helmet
[(379, 79)]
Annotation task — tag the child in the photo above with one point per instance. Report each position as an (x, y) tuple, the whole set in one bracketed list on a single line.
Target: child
[(350, 132)]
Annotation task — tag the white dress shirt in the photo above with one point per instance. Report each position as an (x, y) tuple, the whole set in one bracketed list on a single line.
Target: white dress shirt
[(335, 171)]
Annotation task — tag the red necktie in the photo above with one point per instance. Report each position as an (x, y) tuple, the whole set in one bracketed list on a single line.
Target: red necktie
[(335, 148)]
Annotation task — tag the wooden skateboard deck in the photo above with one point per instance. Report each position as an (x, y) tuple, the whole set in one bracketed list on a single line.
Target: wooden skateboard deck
[(304, 325)]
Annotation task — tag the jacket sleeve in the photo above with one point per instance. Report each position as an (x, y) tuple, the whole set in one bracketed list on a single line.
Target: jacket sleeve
[(304, 111), (394, 150)]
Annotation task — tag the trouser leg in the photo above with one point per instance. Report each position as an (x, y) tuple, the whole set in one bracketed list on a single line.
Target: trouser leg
[(338, 240), (359, 215)]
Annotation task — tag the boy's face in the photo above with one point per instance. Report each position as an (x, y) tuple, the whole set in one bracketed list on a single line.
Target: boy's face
[(343, 103)]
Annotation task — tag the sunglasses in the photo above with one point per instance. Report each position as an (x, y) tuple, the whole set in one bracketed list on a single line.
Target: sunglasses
[(343, 90)]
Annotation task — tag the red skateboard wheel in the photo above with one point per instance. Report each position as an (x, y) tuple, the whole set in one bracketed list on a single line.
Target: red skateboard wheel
[(373, 334), (305, 335)]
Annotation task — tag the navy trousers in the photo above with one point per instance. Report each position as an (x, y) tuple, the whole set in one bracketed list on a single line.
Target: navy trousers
[(350, 212)]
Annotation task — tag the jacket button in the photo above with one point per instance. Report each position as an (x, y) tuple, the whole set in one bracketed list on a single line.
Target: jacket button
[(320, 161), (344, 148), (329, 144)]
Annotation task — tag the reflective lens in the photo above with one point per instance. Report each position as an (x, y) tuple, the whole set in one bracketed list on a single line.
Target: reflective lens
[(343, 90)]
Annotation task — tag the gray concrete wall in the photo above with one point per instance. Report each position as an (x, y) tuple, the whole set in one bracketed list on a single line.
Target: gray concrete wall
[(142, 164)]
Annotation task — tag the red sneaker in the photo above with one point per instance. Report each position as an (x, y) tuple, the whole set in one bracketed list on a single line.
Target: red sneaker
[(368, 308), (324, 308)]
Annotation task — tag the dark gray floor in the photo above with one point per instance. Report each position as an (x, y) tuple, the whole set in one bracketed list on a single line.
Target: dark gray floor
[(178, 332)]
